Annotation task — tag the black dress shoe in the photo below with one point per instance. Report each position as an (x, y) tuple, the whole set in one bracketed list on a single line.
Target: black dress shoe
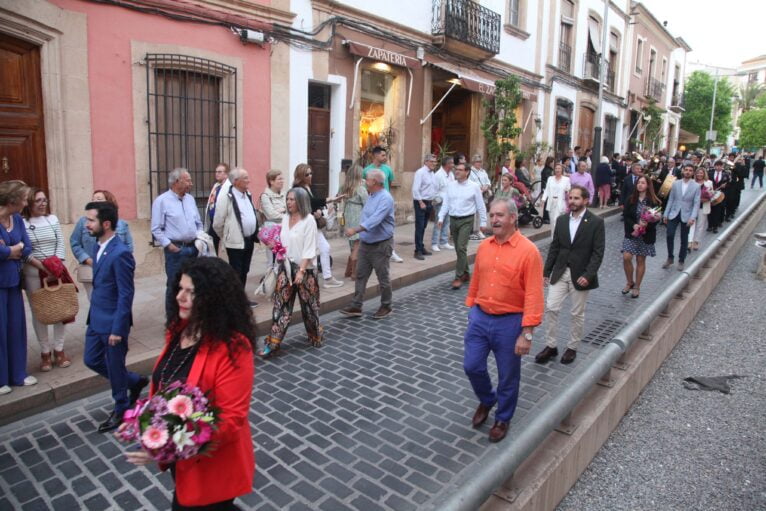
[(426, 252), (568, 356), (112, 422), (546, 355), (135, 391), (481, 414), (419, 256)]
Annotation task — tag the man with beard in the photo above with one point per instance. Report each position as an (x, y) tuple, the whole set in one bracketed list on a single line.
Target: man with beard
[(574, 258), (683, 208), (110, 317)]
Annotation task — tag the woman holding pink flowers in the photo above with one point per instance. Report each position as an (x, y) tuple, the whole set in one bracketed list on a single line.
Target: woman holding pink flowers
[(700, 226), (208, 356), (640, 234)]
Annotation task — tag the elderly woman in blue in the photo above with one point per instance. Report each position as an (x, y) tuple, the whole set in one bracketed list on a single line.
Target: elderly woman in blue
[(82, 242), (15, 247)]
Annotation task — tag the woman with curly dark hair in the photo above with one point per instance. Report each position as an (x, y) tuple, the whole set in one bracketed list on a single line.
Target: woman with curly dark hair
[(210, 340)]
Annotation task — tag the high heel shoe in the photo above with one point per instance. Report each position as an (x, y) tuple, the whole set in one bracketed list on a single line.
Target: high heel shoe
[(268, 351), (636, 292), (627, 289)]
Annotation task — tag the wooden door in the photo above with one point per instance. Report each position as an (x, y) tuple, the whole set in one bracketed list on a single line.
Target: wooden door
[(319, 150), (456, 121), (22, 134), (585, 135)]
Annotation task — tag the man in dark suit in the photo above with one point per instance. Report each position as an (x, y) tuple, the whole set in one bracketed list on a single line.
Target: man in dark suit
[(636, 171), (720, 179), (110, 316), (574, 258)]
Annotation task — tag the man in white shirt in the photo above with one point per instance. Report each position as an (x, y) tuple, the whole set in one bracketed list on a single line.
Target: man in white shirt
[(479, 176), (424, 190), (461, 202), (235, 222), (440, 236)]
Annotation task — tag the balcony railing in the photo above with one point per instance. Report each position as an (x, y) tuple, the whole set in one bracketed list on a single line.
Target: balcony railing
[(468, 22), (610, 77), (591, 68), (565, 57), (677, 103), (655, 89)]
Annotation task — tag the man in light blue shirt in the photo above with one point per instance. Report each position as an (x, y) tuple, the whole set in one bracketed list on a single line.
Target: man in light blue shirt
[(376, 233), (424, 189), (175, 223)]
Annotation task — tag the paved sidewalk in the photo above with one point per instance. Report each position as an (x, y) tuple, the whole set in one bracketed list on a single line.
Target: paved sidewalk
[(378, 418), (147, 336)]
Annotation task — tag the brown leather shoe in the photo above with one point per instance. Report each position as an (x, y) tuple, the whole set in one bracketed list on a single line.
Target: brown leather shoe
[(480, 417), (568, 356), (351, 312), (382, 312), (45, 362), (61, 359), (466, 277), (546, 355), (498, 431), (457, 283)]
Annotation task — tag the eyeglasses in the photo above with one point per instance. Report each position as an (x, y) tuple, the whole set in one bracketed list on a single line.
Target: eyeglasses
[(309, 174), (41, 201)]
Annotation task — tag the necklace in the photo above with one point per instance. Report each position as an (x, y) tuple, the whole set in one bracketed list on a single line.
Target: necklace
[(165, 380)]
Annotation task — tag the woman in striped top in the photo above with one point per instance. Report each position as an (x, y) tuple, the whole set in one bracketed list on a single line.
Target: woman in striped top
[(44, 231)]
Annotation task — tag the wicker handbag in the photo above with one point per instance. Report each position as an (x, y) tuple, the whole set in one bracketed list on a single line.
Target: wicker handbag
[(54, 304)]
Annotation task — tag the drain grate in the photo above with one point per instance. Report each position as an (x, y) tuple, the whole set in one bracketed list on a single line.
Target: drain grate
[(603, 332)]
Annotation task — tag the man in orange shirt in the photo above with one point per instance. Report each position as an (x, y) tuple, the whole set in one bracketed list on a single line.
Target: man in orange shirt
[(506, 301)]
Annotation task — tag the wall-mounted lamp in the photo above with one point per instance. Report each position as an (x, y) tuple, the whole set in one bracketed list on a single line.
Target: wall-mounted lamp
[(538, 122), (454, 81), (382, 67)]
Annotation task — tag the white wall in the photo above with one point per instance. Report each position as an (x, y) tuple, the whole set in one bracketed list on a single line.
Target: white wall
[(415, 14), (300, 73)]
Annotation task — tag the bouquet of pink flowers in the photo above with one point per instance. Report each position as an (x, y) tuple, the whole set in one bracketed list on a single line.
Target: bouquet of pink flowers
[(648, 216), (270, 237), (174, 424), (705, 194)]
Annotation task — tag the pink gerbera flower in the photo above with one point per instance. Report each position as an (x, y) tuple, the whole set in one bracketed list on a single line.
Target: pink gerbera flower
[(181, 406), (154, 438)]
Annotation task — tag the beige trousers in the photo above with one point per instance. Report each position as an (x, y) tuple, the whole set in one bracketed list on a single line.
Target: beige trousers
[(556, 294)]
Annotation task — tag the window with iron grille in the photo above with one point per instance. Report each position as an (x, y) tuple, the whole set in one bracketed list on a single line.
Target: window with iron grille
[(191, 120)]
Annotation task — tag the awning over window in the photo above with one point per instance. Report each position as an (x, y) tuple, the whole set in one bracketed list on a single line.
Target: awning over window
[(381, 54), (686, 137), (468, 80), (594, 34)]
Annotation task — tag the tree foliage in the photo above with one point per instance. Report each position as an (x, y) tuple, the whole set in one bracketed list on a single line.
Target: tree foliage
[(752, 126), (500, 126), (698, 98), (748, 95)]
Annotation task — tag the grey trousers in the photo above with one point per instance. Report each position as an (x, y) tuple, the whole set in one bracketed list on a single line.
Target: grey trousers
[(374, 256)]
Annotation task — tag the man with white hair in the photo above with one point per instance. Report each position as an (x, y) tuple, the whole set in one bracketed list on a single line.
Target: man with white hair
[(235, 223), (175, 222), (376, 236), (424, 190)]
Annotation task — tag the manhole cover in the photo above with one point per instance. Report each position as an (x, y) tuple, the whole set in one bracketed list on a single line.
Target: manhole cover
[(603, 332)]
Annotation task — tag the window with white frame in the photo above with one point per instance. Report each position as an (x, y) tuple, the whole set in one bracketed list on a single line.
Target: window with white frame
[(639, 55)]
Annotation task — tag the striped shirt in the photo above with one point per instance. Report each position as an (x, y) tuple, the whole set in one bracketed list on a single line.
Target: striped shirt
[(45, 234)]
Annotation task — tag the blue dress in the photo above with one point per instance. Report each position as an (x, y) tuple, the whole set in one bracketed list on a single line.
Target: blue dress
[(13, 322)]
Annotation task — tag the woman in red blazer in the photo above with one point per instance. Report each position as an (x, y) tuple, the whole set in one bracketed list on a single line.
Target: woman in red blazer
[(209, 344)]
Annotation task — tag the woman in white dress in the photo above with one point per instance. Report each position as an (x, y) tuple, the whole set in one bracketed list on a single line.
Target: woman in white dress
[(555, 194), (698, 229)]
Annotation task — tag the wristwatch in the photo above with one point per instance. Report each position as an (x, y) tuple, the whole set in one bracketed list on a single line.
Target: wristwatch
[(528, 336)]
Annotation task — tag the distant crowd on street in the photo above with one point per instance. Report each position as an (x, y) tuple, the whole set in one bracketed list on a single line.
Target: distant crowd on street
[(211, 338)]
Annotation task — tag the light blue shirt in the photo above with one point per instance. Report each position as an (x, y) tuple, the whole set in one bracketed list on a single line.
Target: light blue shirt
[(377, 217), (175, 218)]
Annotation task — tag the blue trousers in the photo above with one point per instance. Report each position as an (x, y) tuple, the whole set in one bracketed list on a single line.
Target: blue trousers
[(13, 337), (671, 236), (173, 262), (109, 362), (421, 222), (440, 236), (497, 334)]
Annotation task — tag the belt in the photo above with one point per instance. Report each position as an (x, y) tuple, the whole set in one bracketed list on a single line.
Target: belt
[(376, 242), (182, 243), (462, 217)]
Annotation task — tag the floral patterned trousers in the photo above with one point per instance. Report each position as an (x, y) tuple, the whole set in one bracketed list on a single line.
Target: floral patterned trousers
[(284, 299)]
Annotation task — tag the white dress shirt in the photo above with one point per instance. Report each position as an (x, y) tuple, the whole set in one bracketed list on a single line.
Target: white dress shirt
[(102, 247), (424, 186), (246, 212), (442, 179), (574, 224), (463, 199)]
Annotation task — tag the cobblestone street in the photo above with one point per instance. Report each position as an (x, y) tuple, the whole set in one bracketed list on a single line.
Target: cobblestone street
[(378, 418)]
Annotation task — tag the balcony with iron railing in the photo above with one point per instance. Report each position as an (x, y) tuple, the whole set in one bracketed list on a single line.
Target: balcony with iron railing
[(466, 27), (591, 67), (565, 57), (655, 89), (677, 103)]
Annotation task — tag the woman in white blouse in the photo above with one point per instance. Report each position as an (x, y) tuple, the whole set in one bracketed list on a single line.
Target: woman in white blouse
[(698, 229), (44, 231), (555, 194), (299, 237)]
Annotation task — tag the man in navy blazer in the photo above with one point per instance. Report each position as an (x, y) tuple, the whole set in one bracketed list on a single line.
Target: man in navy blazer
[(683, 206), (110, 316)]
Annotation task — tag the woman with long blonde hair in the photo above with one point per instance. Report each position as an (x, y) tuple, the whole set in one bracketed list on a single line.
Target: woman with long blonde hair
[(356, 196)]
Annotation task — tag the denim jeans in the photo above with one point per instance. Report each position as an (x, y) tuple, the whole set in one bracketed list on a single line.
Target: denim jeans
[(440, 236), (421, 222), (173, 262)]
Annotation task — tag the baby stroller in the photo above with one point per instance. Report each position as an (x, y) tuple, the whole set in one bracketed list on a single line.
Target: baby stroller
[(527, 212)]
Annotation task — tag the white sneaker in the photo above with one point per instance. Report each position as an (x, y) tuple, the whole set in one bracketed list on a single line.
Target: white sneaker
[(395, 258), (474, 237), (447, 246), (30, 380), (5, 389), (332, 282), (435, 248), (481, 235)]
